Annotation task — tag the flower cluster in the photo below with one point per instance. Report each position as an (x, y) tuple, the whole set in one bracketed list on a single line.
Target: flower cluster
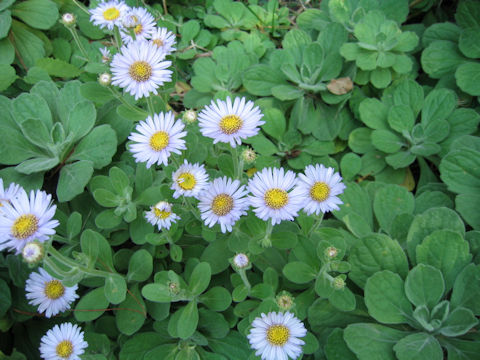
[(274, 194), (140, 66)]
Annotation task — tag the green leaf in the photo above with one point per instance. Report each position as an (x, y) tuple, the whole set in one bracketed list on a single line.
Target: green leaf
[(372, 341), (466, 205), (37, 133), (385, 298), (81, 120), (343, 299), (115, 288), (199, 279), (374, 253), (409, 93), (29, 46), (259, 79), (157, 293), (400, 160), (140, 344), (459, 322), (98, 146), (350, 165), (31, 106), (91, 306), (401, 118), (441, 58), (418, 346), (73, 179), (37, 164), (262, 145), (140, 266), (58, 68), (129, 321), (466, 289), (188, 320), (468, 78), (381, 78), (89, 244), (374, 113), (447, 251), (39, 14), (5, 297), (424, 285), (216, 299), (7, 76), (299, 272), (387, 141), (5, 23), (287, 92), (390, 201), (336, 348), (275, 123), (468, 14), (468, 44), (439, 104), (426, 223)]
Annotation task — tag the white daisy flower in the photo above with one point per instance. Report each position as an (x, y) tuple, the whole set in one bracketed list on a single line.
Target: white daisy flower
[(64, 342), (140, 69), (230, 123), (141, 22), (320, 187), (189, 180), (161, 215), (108, 14), (275, 336), (6, 194), (223, 202), (164, 40), (25, 219), (157, 138), (272, 195), (106, 55), (51, 296)]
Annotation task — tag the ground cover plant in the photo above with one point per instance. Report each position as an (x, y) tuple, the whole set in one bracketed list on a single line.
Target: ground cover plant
[(218, 179)]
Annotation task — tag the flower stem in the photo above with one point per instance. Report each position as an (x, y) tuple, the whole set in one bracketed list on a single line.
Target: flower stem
[(233, 151), (117, 36), (150, 106), (316, 224), (74, 33), (124, 102), (267, 239), (243, 276)]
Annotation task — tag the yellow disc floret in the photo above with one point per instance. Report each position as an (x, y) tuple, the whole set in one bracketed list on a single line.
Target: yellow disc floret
[(186, 181), (230, 124), (54, 289), (222, 204), (161, 214), (25, 226), (138, 29), (64, 349), (159, 140), (158, 42), (140, 71), (278, 335), (320, 191), (111, 14), (276, 198)]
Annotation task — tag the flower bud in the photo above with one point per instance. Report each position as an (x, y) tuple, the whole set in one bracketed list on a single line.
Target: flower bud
[(33, 252), (241, 261), (106, 56), (68, 19), (105, 79), (331, 252), (339, 283), (189, 116), (285, 301), (248, 155), (173, 287)]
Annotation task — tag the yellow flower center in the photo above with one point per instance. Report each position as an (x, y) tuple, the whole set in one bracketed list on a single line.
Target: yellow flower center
[(138, 29), (276, 198), (140, 71), (64, 349), (320, 191), (25, 226), (111, 14), (230, 124), (162, 214), (278, 335), (251, 171), (158, 42), (186, 181), (159, 140), (222, 204), (54, 289)]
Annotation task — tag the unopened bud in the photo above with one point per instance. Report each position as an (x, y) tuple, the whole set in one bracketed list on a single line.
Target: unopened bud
[(285, 301), (248, 155), (190, 116), (241, 261), (173, 287), (105, 79), (331, 252), (106, 56), (339, 283), (68, 19), (33, 252)]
